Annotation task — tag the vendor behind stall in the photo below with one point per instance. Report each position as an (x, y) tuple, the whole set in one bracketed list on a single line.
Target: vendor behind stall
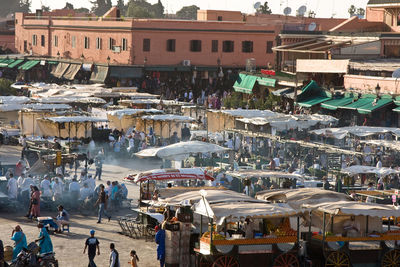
[(351, 227)]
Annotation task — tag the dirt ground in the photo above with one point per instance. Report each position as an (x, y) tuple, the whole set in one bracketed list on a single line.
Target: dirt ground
[(69, 246)]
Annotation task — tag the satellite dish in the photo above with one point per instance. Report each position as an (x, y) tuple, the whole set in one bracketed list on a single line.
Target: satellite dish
[(396, 74), (287, 11), (312, 26), (257, 5), (302, 10)]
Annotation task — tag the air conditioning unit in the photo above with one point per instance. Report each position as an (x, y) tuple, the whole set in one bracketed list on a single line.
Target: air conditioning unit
[(116, 49), (186, 63)]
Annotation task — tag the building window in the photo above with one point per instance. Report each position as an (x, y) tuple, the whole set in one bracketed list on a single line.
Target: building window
[(270, 44), (86, 45), (98, 43), (73, 41), (195, 45), (34, 40), (42, 40), (247, 47), (171, 45), (55, 40), (214, 46), (124, 44), (111, 43), (228, 46), (146, 45), (219, 18)]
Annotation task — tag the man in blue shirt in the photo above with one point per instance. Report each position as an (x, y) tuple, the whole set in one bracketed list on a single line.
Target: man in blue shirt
[(160, 240), (93, 244)]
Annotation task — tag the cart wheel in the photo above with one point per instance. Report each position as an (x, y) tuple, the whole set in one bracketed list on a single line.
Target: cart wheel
[(391, 259), (286, 260), (337, 259), (226, 261), (204, 262)]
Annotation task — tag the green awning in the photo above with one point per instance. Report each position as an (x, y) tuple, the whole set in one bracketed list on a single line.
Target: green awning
[(364, 100), (5, 62), (396, 109), (266, 81), (125, 72), (206, 68), (334, 104), (15, 63), (29, 65), (245, 83), (313, 101), (374, 105), (52, 62), (99, 74)]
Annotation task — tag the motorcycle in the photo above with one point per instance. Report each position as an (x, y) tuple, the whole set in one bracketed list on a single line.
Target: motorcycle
[(30, 257)]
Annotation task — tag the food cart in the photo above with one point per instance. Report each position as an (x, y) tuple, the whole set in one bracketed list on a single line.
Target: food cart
[(274, 243), (353, 234), (148, 214)]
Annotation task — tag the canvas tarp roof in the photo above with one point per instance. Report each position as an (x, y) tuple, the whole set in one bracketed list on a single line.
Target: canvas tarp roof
[(296, 198), (322, 65), (375, 105), (181, 150), (362, 131), (14, 99), (243, 174), (168, 117), (356, 209), (213, 196), (394, 145), (238, 211), (252, 113), (356, 169), (72, 99), (71, 72), (59, 71), (99, 74), (172, 174), (62, 119), (129, 111), (364, 100)]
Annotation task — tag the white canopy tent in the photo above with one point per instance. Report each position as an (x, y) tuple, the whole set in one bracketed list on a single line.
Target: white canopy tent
[(181, 150), (361, 131), (356, 169)]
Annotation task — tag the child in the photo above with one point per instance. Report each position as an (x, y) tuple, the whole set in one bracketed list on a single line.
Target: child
[(134, 259)]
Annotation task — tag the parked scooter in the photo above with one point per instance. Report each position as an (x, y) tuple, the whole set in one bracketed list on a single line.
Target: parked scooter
[(30, 257)]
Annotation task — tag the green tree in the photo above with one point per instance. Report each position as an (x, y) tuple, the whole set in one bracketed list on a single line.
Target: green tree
[(311, 14), (45, 8), (188, 12), (143, 9), (14, 6), (361, 12), (68, 6), (352, 10), (100, 7), (82, 10), (5, 87), (121, 6), (264, 9)]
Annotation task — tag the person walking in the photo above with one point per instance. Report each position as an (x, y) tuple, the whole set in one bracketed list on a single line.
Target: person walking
[(102, 202), (134, 259), (114, 256), (92, 244), (160, 241), (35, 201)]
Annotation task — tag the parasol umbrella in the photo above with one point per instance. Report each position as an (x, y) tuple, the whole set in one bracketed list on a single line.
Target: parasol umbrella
[(181, 151)]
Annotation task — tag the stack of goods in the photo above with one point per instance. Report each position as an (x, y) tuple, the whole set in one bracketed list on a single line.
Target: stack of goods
[(172, 239), (184, 255)]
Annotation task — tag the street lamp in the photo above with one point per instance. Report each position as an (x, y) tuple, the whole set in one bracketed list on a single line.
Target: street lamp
[(82, 57), (58, 54), (144, 60), (218, 62), (377, 90), (108, 60)]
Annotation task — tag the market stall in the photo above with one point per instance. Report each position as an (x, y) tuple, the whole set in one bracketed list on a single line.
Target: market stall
[(353, 234), (247, 233), (128, 118)]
